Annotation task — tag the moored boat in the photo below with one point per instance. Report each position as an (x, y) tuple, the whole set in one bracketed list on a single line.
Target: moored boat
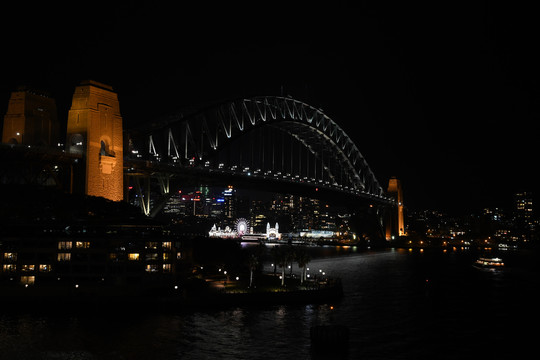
[(489, 263)]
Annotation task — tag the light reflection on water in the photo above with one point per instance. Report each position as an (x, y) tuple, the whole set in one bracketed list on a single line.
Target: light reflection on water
[(396, 305)]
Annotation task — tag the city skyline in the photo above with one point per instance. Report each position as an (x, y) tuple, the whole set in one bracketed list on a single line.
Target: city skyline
[(361, 183), (445, 110)]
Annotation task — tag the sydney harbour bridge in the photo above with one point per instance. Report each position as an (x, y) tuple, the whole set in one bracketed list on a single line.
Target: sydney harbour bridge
[(273, 143)]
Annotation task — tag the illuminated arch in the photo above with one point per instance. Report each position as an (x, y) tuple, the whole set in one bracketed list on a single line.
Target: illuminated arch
[(201, 134)]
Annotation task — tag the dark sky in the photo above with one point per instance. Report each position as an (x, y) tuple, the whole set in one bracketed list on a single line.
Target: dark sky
[(443, 96)]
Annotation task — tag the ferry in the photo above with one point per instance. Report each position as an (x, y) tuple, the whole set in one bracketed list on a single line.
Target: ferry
[(489, 263)]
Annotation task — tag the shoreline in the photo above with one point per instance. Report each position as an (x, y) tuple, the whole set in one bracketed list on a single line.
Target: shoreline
[(180, 300)]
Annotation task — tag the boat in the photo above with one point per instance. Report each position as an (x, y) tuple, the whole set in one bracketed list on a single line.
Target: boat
[(489, 263)]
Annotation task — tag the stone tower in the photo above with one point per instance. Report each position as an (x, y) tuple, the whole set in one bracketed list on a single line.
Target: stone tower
[(31, 119), (94, 130), (396, 221)]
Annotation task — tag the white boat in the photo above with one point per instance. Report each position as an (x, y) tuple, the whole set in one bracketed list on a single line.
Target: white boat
[(489, 263)]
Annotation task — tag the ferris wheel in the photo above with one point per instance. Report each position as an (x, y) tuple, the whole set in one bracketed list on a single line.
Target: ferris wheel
[(242, 226)]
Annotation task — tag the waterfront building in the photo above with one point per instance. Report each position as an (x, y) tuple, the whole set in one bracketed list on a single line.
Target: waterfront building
[(175, 206), (259, 213), (317, 234), (243, 230), (327, 219), (272, 233), (494, 214), (524, 221), (229, 196), (226, 233), (100, 258), (523, 208), (307, 213)]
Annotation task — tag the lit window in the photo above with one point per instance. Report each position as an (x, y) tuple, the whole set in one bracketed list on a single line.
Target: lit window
[(82, 244), (28, 280), (166, 245), (166, 268), (133, 256), (44, 268), (64, 256), (10, 256), (64, 245), (152, 256), (166, 256), (178, 255), (28, 268), (151, 245), (9, 267), (151, 268)]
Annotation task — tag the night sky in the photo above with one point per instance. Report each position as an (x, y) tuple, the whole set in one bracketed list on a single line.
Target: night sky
[(443, 96)]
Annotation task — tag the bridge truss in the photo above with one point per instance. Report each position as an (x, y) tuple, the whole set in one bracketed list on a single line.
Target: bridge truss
[(272, 138)]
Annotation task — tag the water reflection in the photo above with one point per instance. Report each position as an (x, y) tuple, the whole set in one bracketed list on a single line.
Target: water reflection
[(389, 307)]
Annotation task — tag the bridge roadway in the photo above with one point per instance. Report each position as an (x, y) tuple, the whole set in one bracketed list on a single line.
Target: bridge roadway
[(182, 176), (45, 163), (55, 163)]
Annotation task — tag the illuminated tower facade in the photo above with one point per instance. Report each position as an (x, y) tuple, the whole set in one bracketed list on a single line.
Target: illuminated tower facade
[(94, 130), (31, 119), (523, 216), (396, 221)]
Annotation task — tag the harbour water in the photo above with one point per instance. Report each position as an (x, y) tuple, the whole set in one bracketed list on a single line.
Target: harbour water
[(397, 304)]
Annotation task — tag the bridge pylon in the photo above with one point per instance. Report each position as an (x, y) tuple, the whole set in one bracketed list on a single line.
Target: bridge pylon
[(31, 119), (395, 225), (94, 130)]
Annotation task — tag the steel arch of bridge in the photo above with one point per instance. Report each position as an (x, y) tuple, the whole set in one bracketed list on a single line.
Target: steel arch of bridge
[(194, 140)]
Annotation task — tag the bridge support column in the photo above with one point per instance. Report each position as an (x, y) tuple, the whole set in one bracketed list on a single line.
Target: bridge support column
[(395, 223), (94, 130)]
